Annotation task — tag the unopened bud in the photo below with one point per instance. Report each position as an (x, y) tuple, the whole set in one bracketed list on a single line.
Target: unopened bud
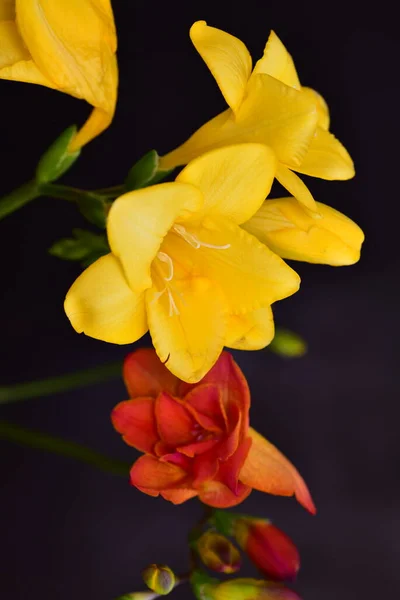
[(218, 553), (159, 578), (269, 548), (244, 589)]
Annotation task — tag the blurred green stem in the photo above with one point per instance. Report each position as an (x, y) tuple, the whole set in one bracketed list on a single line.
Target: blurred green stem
[(62, 383), (66, 192), (42, 441)]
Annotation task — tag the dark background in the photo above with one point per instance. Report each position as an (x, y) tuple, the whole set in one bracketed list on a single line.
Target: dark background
[(69, 531)]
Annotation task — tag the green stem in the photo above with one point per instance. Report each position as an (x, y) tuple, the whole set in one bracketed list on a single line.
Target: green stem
[(112, 191), (66, 192), (62, 383), (18, 198), (42, 441)]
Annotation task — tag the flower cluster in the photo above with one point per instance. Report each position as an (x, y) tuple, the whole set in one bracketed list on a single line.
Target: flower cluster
[(198, 262)]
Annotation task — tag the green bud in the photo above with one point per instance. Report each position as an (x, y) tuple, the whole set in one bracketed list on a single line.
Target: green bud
[(159, 578), (138, 596), (288, 343), (57, 159), (85, 247), (145, 172)]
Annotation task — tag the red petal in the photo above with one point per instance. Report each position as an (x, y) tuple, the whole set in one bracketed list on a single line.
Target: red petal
[(136, 421), (232, 384), (153, 474), (145, 375), (268, 470), (229, 470), (197, 448), (215, 493), (175, 424), (229, 445), (204, 468), (179, 496), (205, 400)]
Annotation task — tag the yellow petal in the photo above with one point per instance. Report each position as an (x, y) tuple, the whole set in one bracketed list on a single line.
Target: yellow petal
[(234, 180), (279, 116), (272, 114), (296, 187), (188, 331), (251, 331), (291, 232), (16, 63), (322, 107), (249, 274), (7, 10), (101, 304), (73, 43), (277, 62), (227, 58), (326, 158), (139, 221)]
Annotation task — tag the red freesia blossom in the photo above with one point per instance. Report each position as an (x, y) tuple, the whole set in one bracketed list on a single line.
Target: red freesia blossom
[(196, 437)]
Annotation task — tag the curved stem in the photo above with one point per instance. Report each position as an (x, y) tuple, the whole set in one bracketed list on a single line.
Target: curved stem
[(66, 192), (18, 198), (62, 383), (42, 441)]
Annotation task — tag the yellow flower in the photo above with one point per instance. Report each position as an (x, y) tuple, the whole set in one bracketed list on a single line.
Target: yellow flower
[(289, 231), (182, 267), (267, 105), (68, 45)]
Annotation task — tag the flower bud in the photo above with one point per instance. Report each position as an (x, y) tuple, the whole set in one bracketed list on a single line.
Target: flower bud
[(138, 596), (269, 548), (159, 578), (244, 589), (218, 553)]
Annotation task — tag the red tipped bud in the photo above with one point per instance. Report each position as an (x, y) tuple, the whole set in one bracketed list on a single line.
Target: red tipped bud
[(269, 548), (159, 578), (218, 553)]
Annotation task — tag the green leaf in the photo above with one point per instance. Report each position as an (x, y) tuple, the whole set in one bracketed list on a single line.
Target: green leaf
[(57, 159), (18, 198), (85, 247), (288, 343), (145, 172)]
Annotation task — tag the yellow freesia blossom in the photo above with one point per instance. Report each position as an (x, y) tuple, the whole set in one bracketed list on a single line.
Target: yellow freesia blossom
[(182, 267), (289, 231), (68, 45), (267, 105)]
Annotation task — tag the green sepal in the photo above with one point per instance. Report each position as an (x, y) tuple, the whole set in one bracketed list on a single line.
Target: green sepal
[(85, 247), (288, 343), (57, 159), (18, 198), (93, 208), (145, 172)]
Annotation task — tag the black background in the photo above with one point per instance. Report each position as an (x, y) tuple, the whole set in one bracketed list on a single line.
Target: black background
[(69, 531)]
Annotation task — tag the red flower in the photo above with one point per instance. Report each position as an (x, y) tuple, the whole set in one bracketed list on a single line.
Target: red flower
[(196, 437)]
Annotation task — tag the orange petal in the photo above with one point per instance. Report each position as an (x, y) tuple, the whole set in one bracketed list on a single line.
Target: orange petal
[(152, 474), (145, 375), (215, 493), (175, 424), (136, 421), (268, 470), (179, 496)]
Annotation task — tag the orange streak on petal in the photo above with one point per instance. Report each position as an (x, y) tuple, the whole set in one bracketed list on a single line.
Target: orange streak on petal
[(214, 493), (179, 496), (268, 470)]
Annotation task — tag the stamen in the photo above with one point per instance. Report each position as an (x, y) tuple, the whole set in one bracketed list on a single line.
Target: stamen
[(173, 309), (168, 261), (188, 237), (195, 242), (158, 295)]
